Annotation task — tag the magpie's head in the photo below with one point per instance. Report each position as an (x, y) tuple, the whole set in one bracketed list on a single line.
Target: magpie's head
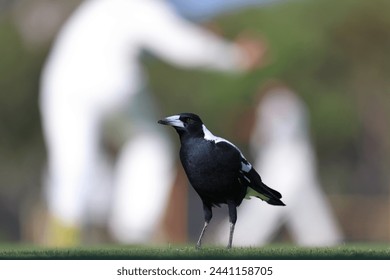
[(185, 124)]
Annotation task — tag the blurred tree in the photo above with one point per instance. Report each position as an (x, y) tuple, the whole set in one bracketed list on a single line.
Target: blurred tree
[(21, 146), (363, 40)]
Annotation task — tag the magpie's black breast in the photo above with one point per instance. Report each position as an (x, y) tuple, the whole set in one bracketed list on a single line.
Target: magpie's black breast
[(213, 170)]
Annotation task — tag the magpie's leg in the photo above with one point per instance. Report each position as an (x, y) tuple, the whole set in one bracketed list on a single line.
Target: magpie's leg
[(232, 219), (208, 214)]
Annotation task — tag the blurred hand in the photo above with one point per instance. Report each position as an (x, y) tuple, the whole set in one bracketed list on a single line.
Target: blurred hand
[(253, 49)]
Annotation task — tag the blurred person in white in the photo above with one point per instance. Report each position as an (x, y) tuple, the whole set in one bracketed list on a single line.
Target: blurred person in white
[(283, 153), (92, 73)]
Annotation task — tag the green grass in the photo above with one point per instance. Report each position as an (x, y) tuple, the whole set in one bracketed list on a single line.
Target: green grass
[(189, 252)]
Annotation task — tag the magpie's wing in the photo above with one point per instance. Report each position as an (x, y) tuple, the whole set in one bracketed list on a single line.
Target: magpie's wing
[(248, 176), (256, 187)]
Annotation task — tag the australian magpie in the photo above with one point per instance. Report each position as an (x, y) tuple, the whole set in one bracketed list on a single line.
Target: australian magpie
[(217, 170)]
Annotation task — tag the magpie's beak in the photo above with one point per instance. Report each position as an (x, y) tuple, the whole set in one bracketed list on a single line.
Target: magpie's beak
[(172, 121)]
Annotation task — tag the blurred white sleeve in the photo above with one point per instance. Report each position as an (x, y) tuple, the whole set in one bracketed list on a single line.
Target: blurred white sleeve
[(186, 45)]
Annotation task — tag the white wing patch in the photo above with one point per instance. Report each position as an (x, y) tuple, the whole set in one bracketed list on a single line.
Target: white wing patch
[(245, 165)]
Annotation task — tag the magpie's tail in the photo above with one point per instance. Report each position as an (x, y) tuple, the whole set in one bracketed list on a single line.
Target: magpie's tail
[(258, 189), (273, 199)]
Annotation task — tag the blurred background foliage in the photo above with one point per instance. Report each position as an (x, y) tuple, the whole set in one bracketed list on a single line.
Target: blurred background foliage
[(335, 54)]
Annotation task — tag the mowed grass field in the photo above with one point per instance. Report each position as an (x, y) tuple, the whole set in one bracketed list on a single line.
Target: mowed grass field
[(348, 251)]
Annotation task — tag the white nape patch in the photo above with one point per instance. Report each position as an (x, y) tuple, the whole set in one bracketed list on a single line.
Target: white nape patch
[(245, 165), (211, 137), (174, 121)]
